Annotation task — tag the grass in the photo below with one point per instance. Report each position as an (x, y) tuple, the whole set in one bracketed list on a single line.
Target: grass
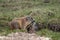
[(49, 33), (11, 9)]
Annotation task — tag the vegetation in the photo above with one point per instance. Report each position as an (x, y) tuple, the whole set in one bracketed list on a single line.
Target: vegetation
[(44, 13)]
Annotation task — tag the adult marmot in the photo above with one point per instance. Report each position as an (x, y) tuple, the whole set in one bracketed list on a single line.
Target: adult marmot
[(26, 23), (21, 23)]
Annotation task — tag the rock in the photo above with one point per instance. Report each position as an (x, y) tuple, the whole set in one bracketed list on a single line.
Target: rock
[(23, 36), (54, 25)]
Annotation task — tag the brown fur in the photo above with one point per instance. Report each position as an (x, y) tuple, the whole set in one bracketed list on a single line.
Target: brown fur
[(19, 23)]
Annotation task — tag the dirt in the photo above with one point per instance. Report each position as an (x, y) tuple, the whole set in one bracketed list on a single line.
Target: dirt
[(23, 36)]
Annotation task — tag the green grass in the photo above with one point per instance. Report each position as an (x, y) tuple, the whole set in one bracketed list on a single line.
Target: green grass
[(49, 33), (11, 9)]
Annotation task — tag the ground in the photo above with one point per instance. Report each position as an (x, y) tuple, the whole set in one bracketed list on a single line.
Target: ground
[(23, 36)]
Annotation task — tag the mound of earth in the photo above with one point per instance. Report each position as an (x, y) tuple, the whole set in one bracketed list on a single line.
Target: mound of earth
[(23, 36)]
